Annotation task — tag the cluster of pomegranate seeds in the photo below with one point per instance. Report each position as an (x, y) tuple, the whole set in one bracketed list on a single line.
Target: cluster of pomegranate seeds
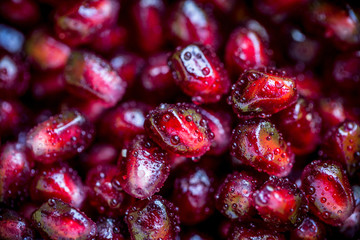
[(179, 119)]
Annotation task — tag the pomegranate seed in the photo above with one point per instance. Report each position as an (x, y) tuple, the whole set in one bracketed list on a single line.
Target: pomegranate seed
[(328, 191), (13, 226), (179, 128), (199, 73), (310, 229)]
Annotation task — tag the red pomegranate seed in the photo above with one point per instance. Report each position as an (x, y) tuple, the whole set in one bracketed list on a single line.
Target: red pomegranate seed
[(13, 117), (11, 40), (246, 49), (49, 86), (58, 220), (78, 22), (342, 143), (124, 122), (60, 137), (199, 73), (60, 182), (14, 227), (148, 20), (190, 23), (328, 191), (46, 52), (259, 144), (14, 171), (179, 128), (143, 168), (92, 77), (310, 229), (234, 197), (99, 154), (153, 218), (261, 93), (193, 193), (109, 39), (300, 125), (101, 193), (281, 203)]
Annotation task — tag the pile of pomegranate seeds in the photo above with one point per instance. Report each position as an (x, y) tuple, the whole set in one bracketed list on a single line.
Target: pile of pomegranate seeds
[(179, 119)]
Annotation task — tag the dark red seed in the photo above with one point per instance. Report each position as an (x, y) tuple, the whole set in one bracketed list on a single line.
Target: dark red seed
[(328, 191), (342, 143), (281, 203), (90, 76), (234, 196), (252, 230), (193, 193), (261, 93), (110, 229), (309, 229), (102, 195), (168, 126), (58, 220), (60, 182), (259, 144), (153, 218), (14, 227), (60, 137), (199, 73)]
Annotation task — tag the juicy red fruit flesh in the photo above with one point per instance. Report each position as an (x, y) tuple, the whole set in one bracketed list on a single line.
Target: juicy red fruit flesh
[(14, 227), (154, 218), (143, 168), (328, 191), (259, 144), (261, 93), (179, 128), (281, 203), (58, 220), (60, 137), (199, 73)]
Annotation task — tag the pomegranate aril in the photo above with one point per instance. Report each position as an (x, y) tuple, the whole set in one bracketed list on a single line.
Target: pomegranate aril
[(234, 196), (270, 8), (46, 52), (60, 137), (78, 22), (49, 86), (124, 122), (157, 79), (109, 39), (102, 195), (92, 77), (14, 227), (280, 203), (189, 23), (143, 168), (259, 144), (351, 226), (328, 191), (14, 76), (261, 93), (309, 229), (336, 22), (300, 125), (153, 218), (195, 235), (58, 220), (148, 19), (99, 154), (179, 128), (193, 193), (222, 5), (60, 182), (246, 49), (342, 143), (11, 40), (15, 171), (199, 73)]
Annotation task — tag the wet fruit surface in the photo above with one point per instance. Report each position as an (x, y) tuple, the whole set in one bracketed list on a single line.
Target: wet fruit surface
[(179, 119)]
